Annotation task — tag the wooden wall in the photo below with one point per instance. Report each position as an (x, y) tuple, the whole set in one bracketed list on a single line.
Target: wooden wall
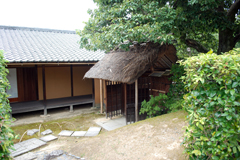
[(58, 81), (97, 91), (81, 86)]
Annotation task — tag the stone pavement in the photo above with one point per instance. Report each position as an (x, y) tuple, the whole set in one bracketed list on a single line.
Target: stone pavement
[(111, 124), (93, 131), (48, 138), (54, 155), (65, 133), (26, 146)]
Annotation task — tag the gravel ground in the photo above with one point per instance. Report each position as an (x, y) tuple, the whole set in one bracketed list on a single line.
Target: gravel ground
[(157, 138)]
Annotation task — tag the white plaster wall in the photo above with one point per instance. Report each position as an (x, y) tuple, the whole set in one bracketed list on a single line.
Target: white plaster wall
[(12, 78)]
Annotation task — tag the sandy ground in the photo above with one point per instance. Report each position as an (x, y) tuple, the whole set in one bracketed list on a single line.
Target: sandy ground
[(157, 138), (153, 139)]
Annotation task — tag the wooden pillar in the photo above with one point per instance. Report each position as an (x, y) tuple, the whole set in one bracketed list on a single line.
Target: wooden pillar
[(44, 89), (36, 74), (93, 92), (101, 95), (71, 71), (71, 108), (125, 98), (136, 100), (105, 95)]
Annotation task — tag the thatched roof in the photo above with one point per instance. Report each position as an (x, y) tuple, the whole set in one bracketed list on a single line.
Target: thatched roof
[(126, 67)]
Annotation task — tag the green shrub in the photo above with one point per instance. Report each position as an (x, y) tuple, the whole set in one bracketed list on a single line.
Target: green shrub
[(176, 90), (213, 104), (6, 134), (154, 106)]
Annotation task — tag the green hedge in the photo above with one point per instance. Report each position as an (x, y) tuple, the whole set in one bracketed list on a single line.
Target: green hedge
[(213, 104), (6, 134)]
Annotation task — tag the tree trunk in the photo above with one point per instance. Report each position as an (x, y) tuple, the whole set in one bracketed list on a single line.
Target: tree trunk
[(226, 41)]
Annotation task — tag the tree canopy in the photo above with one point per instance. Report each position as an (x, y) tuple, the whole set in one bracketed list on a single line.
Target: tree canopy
[(198, 24)]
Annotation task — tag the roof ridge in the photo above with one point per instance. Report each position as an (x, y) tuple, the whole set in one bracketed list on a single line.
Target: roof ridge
[(37, 29)]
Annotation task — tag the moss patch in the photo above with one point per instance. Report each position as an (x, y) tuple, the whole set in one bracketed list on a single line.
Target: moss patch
[(77, 123)]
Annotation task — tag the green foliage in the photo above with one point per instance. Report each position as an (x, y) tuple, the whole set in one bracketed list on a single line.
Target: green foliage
[(162, 21), (213, 104), (6, 134), (176, 90), (154, 106), (117, 21)]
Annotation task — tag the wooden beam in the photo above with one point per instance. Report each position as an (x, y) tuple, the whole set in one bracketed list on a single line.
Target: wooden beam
[(136, 100), (160, 91), (26, 64), (125, 98), (44, 90), (71, 71), (101, 95)]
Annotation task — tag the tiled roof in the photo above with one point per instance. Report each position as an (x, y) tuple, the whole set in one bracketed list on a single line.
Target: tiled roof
[(43, 45)]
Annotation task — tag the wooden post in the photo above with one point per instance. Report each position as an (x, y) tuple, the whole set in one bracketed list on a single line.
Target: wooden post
[(101, 95), (71, 108), (36, 74), (105, 95), (71, 71), (44, 90), (136, 100), (93, 92), (125, 98)]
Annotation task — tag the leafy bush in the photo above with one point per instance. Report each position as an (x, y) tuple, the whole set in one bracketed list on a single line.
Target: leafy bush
[(213, 101), (176, 90), (6, 133), (154, 106)]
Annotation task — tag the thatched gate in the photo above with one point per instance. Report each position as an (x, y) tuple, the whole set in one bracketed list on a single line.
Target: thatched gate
[(146, 86), (142, 71)]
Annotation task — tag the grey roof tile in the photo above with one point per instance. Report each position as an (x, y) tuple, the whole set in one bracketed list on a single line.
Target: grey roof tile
[(43, 45)]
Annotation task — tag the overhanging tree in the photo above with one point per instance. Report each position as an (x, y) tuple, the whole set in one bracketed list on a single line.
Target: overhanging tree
[(198, 24)]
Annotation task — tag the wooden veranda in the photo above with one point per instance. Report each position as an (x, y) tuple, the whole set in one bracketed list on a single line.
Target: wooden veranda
[(22, 107)]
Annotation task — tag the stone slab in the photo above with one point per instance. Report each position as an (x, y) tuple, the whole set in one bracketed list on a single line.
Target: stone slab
[(79, 133), (91, 134), (48, 131), (111, 124), (93, 131), (65, 133), (27, 156), (32, 132), (26, 146), (48, 138)]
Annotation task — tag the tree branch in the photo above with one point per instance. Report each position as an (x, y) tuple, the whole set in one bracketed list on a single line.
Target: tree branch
[(233, 10), (194, 44)]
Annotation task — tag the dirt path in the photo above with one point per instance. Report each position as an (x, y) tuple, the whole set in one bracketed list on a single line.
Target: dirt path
[(157, 138)]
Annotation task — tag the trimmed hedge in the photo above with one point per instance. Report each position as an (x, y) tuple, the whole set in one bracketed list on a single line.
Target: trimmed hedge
[(6, 134), (213, 104)]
